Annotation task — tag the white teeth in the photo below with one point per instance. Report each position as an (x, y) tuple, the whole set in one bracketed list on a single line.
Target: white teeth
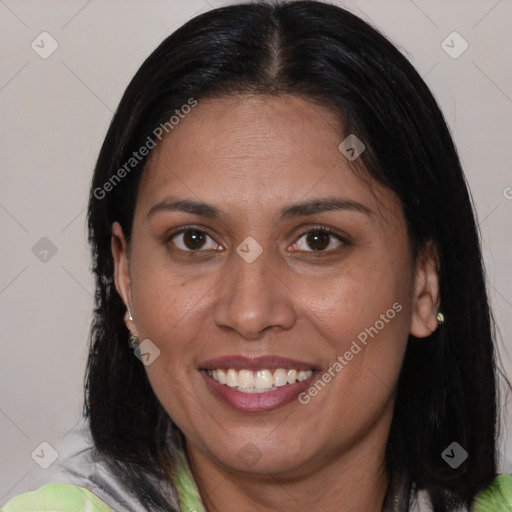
[(221, 376), (245, 379), (302, 375), (263, 379), (260, 381), (231, 379), (280, 378), (291, 375)]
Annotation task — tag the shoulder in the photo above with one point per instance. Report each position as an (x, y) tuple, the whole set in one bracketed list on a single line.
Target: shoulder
[(57, 498), (497, 497)]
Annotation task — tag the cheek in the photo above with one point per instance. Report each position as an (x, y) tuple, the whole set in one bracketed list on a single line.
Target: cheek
[(362, 315), (345, 301), (165, 301), (170, 312)]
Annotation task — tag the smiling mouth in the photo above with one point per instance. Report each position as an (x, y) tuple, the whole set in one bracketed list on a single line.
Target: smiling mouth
[(259, 381)]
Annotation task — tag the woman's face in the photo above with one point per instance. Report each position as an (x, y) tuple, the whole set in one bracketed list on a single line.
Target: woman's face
[(260, 264)]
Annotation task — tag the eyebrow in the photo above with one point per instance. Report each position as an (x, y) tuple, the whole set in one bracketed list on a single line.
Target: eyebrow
[(187, 206), (314, 206), (301, 209)]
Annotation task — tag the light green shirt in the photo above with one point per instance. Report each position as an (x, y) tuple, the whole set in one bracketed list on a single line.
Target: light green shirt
[(57, 498), (71, 498)]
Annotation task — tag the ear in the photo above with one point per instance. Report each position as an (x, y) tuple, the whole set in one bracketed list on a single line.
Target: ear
[(122, 278), (426, 298)]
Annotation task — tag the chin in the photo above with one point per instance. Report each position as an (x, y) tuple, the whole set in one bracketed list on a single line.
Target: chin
[(257, 454)]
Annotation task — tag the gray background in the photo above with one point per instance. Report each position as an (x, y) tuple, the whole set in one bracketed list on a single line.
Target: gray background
[(55, 113)]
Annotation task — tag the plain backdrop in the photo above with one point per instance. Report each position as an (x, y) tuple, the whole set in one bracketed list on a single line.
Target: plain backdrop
[(55, 112)]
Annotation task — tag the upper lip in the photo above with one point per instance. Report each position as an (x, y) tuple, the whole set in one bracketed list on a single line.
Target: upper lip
[(268, 362)]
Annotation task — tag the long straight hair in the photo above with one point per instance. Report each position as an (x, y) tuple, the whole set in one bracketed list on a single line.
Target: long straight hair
[(446, 390)]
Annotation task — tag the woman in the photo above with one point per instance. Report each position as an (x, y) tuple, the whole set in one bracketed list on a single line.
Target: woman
[(290, 310)]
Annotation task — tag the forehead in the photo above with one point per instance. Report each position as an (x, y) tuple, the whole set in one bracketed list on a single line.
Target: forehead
[(253, 151)]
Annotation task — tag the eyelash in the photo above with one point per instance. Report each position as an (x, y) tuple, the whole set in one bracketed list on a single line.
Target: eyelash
[(343, 239), (318, 228)]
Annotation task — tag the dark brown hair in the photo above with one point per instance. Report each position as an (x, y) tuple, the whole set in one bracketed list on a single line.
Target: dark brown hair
[(446, 391)]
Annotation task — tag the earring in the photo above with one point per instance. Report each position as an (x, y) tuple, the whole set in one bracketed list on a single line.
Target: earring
[(133, 341), (439, 318)]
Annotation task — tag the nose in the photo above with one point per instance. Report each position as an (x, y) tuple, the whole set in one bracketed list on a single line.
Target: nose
[(254, 298)]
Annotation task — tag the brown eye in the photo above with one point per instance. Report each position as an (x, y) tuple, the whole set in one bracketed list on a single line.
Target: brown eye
[(318, 240), (194, 240)]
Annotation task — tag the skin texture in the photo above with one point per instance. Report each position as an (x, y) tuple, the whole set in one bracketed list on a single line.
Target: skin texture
[(252, 156)]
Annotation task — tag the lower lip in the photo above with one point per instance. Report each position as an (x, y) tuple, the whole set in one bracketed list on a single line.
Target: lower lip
[(256, 402)]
